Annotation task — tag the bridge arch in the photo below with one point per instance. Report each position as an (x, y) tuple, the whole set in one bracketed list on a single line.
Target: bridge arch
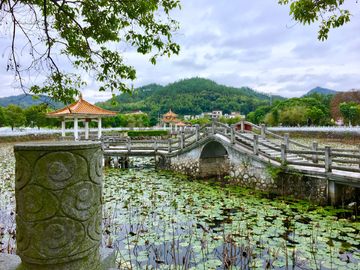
[(213, 150)]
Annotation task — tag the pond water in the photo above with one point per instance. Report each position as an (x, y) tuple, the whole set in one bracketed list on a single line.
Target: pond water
[(161, 220), (164, 220)]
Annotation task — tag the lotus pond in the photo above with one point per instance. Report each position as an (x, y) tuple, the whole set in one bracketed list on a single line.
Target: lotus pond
[(160, 220)]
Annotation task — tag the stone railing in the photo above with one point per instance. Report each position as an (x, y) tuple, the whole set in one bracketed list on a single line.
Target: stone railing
[(255, 141), (58, 187)]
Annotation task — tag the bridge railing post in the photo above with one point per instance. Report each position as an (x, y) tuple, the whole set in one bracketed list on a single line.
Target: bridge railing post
[(286, 140), (256, 145), (328, 159), (182, 141), (169, 145), (155, 145), (197, 133), (213, 126), (128, 144), (262, 131), (232, 138), (359, 153), (315, 148), (283, 154), (242, 124)]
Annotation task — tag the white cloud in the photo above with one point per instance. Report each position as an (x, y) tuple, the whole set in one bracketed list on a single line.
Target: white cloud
[(242, 43)]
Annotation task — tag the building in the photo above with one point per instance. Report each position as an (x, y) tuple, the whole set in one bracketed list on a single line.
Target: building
[(216, 113), (136, 112)]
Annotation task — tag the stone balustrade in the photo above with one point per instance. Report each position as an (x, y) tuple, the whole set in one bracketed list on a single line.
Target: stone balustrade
[(58, 188)]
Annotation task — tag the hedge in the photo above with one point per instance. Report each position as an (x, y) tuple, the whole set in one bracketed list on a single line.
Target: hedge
[(148, 133)]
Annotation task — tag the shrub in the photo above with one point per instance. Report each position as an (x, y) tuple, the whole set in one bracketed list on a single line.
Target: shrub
[(148, 133)]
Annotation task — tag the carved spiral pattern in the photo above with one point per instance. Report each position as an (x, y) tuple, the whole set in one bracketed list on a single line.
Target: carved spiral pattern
[(58, 204), (96, 167), (78, 201), (22, 235), (95, 226), (36, 203), (55, 169), (58, 236), (22, 171)]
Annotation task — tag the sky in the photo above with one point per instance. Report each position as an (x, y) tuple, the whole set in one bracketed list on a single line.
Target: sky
[(241, 43)]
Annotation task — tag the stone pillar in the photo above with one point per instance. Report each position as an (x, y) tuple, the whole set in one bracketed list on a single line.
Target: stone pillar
[(63, 128), (58, 188), (262, 131), (76, 130), (328, 159), (256, 145), (332, 193), (283, 154), (315, 148), (242, 124), (86, 130), (213, 126), (99, 128), (286, 140), (232, 134), (197, 135)]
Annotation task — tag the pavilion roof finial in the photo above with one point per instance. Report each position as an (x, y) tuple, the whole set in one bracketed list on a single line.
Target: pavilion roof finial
[(80, 97)]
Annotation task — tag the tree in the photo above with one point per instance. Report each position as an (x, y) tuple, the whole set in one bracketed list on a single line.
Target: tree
[(36, 114), (292, 115), (86, 33), (314, 114), (2, 117), (15, 116), (349, 111), (341, 97), (153, 121), (329, 12)]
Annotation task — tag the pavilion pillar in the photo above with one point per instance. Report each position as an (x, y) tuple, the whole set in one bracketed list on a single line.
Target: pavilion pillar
[(76, 131), (99, 128), (63, 128), (175, 127), (86, 130)]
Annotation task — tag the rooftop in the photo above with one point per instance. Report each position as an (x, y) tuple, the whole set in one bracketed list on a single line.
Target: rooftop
[(81, 108)]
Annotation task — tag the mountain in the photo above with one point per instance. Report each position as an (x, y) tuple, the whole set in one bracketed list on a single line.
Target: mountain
[(25, 101), (321, 90), (189, 97)]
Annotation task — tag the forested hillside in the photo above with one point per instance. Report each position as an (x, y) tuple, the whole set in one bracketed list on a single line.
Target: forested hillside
[(25, 101), (189, 97)]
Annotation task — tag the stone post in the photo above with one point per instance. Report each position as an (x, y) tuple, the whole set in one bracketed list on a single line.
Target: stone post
[(328, 159), (242, 124), (169, 145), (256, 145), (213, 126), (197, 133), (283, 154), (155, 146), (116, 162), (315, 148), (232, 136), (286, 140), (58, 187), (262, 131), (128, 143), (182, 141)]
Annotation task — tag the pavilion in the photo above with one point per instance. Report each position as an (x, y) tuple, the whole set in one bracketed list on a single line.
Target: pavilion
[(180, 125), (81, 111), (170, 118)]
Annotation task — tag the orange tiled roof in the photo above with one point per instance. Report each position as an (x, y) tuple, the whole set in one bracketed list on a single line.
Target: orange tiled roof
[(181, 124), (81, 108), (170, 119), (169, 114)]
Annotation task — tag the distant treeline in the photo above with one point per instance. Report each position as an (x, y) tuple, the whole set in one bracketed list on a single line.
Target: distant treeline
[(189, 97)]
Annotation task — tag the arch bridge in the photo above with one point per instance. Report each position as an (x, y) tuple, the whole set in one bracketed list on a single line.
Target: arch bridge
[(257, 159)]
